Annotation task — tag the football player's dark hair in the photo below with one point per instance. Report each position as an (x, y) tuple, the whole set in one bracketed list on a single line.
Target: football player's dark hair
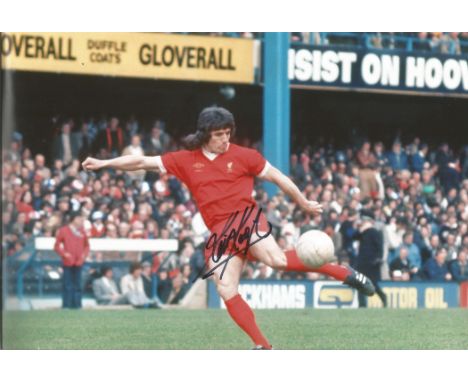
[(210, 119)]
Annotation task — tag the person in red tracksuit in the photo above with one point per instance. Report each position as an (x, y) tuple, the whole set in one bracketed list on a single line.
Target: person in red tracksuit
[(220, 175), (72, 246)]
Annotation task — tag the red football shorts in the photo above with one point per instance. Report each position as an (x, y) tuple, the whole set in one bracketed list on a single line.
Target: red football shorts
[(238, 228)]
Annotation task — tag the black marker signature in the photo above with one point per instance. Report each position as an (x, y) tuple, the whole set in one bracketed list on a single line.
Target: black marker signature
[(233, 237)]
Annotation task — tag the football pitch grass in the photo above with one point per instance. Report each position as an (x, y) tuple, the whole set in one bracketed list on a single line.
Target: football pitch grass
[(213, 329)]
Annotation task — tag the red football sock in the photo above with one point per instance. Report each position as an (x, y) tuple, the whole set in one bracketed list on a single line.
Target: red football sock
[(336, 271), (245, 318)]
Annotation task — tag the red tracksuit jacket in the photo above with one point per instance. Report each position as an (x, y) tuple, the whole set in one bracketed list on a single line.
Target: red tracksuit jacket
[(76, 245)]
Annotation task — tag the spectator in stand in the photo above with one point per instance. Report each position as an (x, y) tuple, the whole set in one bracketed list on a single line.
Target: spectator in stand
[(98, 229), (37, 196), (340, 172), (132, 127), (111, 231), (397, 158), (448, 173), (419, 158), (445, 42), (436, 269), (459, 267), (137, 230), (133, 289), (85, 138), (463, 36), (428, 183), (164, 285), (414, 255), (72, 246), (180, 285), (66, 146), (105, 289), (400, 268), (435, 41), (297, 171), (367, 178), (146, 277), (41, 171), (57, 172), (20, 228), (454, 46), (111, 139), (424, 245), (451, 247), (298, 36), (421, 43), (135, 149), (16, 147), (393, 236), (380, 155), (26, 157), (158, 141), (249, 34), (24, 205), (124, 229), (276, 215), (292, 230), (349, 231)]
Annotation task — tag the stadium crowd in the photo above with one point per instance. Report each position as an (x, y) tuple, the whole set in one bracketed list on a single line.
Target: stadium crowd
[(416, 196), (437, 42)]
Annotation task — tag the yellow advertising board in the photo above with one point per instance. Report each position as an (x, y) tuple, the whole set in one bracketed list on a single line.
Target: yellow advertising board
[(145, 55)]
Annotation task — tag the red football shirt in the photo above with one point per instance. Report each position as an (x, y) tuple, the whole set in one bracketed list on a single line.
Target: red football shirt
[(220, 186)]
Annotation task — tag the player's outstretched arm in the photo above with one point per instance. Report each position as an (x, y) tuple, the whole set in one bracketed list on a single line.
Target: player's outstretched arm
[(124, 163), (289, 188)]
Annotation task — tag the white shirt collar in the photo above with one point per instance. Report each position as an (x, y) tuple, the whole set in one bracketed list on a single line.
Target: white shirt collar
[(211, 156)]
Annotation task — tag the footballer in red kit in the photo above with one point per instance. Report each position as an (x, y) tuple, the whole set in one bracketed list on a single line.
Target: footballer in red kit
[(220, 176), (220, 184)]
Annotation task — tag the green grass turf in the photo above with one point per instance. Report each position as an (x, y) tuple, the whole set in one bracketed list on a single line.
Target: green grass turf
[(213, 329)]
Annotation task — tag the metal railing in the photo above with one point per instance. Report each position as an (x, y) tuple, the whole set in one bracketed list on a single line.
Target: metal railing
[(38, 253), (373, 41), (382, 41)]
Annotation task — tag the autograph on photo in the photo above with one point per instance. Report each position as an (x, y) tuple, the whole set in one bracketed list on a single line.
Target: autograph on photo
[(239, 238)]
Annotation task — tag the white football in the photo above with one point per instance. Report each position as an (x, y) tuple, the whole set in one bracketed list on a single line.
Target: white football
[(315, 248)]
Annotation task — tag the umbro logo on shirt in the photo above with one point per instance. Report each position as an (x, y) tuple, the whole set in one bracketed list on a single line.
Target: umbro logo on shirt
[(198, 166), (229, 167)]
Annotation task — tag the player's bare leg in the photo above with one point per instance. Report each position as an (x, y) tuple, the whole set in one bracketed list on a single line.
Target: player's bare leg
[(268, 252), (228, 288), (228, 285)]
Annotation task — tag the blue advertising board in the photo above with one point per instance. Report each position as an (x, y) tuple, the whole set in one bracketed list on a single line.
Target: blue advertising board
[(268, 294), (291, 294), (418, 295), (381, 70)]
